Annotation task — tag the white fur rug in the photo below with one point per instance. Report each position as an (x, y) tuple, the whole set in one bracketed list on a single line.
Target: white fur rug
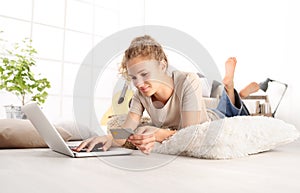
[(229, 138)]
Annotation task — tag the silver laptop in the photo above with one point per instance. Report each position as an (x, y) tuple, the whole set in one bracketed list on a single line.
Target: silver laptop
[(53, 139)]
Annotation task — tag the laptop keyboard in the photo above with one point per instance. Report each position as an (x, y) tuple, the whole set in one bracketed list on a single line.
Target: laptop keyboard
[(97, 148)]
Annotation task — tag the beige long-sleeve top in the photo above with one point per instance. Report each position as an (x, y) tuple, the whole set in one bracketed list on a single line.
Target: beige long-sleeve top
[(187, 96)]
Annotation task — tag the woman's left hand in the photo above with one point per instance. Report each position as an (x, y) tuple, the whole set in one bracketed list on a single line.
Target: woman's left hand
[(144, 138)]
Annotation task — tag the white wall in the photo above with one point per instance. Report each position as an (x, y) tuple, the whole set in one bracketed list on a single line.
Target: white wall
[(63, 32), (262, 34)]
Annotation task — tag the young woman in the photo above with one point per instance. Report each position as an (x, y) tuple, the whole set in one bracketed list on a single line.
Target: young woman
[(173, 101)]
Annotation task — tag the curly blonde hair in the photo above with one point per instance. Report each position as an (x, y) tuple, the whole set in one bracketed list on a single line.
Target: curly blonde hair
[(143, 46)]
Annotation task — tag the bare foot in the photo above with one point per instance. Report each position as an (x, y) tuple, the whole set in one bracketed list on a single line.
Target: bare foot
[(229, 73), (249, 89)]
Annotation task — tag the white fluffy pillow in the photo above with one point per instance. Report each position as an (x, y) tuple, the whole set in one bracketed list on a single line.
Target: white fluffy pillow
[(78, 131), (229, 138)]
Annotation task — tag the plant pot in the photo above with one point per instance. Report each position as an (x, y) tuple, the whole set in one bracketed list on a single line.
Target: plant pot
[(14, 112)]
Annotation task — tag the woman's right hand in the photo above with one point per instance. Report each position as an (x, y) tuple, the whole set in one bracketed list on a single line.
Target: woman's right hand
[(90, 143)]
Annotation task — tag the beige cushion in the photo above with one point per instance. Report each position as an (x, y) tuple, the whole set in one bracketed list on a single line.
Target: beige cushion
[(18, 133)]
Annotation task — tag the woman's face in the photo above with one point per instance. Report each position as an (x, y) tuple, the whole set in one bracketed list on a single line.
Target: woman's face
[(146, 74)]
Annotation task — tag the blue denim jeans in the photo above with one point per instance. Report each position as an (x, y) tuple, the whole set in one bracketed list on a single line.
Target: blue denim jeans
[(226, 109)]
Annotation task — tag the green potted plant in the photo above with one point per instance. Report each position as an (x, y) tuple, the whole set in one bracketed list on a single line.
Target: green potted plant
[(16, 76)]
